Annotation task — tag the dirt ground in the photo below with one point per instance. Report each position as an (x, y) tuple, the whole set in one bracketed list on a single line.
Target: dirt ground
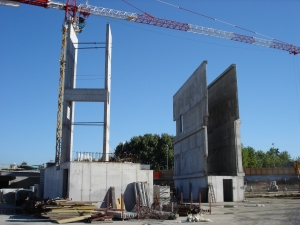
[(255, 210)]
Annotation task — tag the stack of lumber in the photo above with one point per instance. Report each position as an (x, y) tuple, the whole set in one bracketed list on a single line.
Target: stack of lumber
[(64, 211)]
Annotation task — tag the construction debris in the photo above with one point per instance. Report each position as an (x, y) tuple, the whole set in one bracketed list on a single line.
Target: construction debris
[(197, 218), (65, 211), (147, 213)]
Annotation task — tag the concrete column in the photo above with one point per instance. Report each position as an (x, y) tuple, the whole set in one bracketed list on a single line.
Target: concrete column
[(68, 106), (106, 126)]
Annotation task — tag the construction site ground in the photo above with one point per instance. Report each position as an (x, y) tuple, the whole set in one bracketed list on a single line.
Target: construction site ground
[(259, 208)]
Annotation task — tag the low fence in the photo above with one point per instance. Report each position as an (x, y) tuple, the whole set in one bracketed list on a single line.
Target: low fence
[(99, 157), (270, 171)]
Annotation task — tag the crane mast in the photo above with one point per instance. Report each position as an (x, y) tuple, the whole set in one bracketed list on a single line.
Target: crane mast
[(76, 15)]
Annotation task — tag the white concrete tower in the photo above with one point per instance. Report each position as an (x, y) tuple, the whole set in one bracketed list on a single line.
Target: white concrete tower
[(73, 94)]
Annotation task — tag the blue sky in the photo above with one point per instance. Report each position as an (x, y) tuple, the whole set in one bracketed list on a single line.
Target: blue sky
[(149, 64)]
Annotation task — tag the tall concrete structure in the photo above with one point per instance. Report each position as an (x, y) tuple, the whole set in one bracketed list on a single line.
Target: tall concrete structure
[(91, 181), (207, 146), (73, 94)]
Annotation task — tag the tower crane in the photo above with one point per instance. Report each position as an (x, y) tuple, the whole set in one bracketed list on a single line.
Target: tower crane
[(76, 15)]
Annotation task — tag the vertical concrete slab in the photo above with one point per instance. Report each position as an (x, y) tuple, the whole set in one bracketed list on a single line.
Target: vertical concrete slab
[(68, 106), (224, 148), (106, 126), (190, 111), (207, 145)]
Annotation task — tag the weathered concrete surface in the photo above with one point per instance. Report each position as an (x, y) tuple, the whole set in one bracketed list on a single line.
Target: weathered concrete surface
[(207, 145), (190, 111), (224, 144), (91, 181), (255, 211)]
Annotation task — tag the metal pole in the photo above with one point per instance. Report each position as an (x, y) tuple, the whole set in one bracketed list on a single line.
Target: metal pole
[(167, 157), (210, 203), (199, 202), (273, 154), (138, 206)]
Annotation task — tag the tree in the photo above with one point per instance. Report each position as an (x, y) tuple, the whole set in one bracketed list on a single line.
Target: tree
[(249, 157), (284, 158), (245, 157), (260, 159), (297, 159), (152, 149)]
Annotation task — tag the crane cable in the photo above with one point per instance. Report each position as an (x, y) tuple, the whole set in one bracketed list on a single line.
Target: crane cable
[(138, 9), (179, 7)]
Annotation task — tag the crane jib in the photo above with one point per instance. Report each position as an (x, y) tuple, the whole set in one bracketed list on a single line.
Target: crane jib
[(146, 19), (85, 10)]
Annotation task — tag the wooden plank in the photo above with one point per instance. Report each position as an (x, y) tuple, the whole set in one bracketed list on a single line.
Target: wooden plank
[(70, 210), (73, 219), (84, 207)]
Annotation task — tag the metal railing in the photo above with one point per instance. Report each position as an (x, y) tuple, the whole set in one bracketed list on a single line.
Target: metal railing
[(99, 157)]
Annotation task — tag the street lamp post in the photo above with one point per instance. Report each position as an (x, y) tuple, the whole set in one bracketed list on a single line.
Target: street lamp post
[(273, 154), (167, 156)]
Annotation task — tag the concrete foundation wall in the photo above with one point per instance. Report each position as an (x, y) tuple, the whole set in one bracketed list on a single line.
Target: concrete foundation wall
[(237, 190), (192, 185), (92, 181)]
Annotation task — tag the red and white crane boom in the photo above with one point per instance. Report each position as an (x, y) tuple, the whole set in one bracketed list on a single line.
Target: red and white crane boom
[(86, 10)]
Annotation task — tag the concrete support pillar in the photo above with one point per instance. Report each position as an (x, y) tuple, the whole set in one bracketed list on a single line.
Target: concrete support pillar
[(84, 95), (106, 126)]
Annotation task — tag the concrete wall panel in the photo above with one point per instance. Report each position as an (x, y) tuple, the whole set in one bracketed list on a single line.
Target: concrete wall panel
[(98, 183), (190, 142), (223, 125), (207, 140), (92, 181), (86, 182), (53, 183), (237, 187), (75, 181)]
